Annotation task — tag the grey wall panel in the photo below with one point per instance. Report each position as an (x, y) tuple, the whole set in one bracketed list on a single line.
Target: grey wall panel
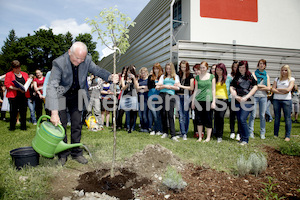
[(196, 52)]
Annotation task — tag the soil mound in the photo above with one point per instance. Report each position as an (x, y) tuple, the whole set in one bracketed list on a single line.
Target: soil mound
[(152, 161)]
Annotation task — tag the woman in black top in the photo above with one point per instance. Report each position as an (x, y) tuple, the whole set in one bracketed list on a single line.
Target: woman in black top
[(186, 86), (242, 88), (129, 86)]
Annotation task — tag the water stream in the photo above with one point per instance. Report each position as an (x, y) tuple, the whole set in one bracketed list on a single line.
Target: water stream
[(93, 161)]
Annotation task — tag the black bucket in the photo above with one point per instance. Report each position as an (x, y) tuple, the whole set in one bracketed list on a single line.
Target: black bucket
[(24, 156)]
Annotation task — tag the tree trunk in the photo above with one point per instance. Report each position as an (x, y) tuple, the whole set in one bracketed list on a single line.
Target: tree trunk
[(112, 171)]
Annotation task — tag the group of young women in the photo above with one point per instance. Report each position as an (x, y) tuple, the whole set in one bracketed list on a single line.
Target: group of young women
[(208, 95)]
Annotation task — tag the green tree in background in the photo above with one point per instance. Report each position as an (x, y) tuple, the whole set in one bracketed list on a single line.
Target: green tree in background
[(8, 52), (37, 51)]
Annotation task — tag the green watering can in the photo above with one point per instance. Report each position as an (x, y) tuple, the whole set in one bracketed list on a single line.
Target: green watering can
[(48, 140)]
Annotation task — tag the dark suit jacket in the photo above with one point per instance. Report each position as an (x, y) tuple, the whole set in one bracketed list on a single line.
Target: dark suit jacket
[(61, 79)]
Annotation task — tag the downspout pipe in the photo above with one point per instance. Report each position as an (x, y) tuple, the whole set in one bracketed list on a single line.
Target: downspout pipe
[(171, 29)]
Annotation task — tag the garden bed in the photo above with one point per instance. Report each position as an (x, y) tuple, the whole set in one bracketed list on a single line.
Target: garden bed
[(145, 170)]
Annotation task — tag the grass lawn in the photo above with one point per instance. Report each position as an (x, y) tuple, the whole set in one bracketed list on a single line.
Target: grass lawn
[(221, 156)]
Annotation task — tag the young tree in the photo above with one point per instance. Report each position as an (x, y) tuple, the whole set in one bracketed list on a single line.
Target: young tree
[(112, 28)]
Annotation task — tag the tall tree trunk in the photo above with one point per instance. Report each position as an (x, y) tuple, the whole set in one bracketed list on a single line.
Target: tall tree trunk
[(112, 171)]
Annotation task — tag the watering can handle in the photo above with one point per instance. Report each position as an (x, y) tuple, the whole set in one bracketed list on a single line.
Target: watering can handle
[(47, 116)]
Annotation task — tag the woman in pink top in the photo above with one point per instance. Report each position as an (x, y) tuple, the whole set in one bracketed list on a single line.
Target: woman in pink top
[(38, 83)]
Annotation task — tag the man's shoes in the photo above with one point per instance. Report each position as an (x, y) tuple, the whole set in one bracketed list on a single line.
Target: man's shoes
[(62, 161), (81, 159)]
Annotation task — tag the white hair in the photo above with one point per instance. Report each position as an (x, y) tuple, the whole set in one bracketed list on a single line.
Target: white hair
[(79, 45)]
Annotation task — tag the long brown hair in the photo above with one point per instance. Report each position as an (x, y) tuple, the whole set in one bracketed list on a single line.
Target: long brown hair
[(160, 72), (187, 69), (224, 73), (173, 72), (131, 69), (233, 73)]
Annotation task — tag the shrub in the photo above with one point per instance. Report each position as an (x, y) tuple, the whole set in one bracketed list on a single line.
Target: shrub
[(290, 148), (256, 164), (243, 166), (173, 180)]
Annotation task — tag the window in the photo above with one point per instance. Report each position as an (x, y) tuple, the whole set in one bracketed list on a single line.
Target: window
[(177, 13)]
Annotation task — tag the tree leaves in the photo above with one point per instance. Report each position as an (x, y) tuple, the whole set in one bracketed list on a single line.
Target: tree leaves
[(112, 27)]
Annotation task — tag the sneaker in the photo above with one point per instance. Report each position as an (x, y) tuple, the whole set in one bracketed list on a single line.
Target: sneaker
[(243, 143), (232, 135), (262, 137), (159, 133), (287, 139), (251, 135), (270, 120), (152, 133), (62, 161), (164, 135), (219, 140), (175, 139), (81, 159), (238, 137), (184, 137), (177, 136)]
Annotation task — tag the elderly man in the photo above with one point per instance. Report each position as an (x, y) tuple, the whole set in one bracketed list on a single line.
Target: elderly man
[(68, 77)]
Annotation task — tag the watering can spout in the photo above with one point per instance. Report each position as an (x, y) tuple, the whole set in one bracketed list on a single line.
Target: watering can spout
[(62, 146)]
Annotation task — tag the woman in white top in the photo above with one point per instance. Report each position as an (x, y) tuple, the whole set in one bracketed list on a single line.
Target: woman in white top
[(283, 100), (260, 98), (167, 84)]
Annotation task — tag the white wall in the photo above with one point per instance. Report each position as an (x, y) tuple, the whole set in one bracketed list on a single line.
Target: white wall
[(278, 26)]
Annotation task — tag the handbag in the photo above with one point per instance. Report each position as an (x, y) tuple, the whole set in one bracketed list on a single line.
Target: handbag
[(128, 102), (5, 104)]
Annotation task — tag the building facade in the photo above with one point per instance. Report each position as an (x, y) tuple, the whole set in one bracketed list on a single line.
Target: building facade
[(215, 31)]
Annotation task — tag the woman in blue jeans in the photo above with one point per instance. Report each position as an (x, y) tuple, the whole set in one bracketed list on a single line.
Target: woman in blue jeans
[(186, 86), (282, 99), (242, 88), (260, 98), (143, 97), (153, 95)]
